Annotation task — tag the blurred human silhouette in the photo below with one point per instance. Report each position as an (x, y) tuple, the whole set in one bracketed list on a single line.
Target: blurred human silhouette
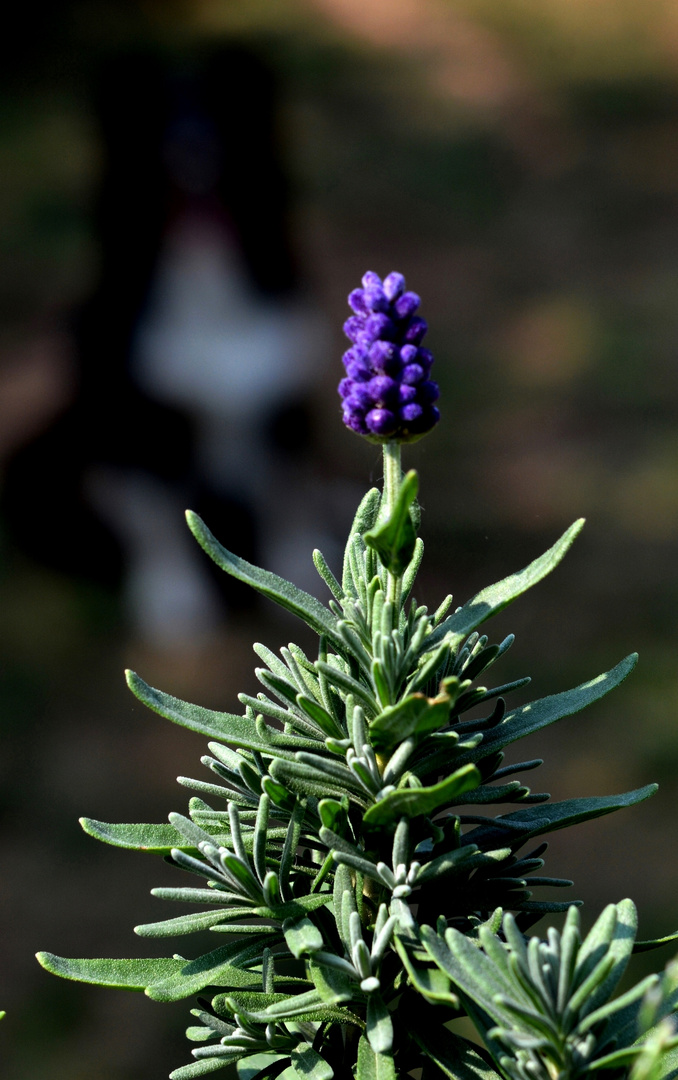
[(195, 353)]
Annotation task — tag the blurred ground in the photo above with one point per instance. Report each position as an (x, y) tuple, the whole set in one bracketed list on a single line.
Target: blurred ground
[(518, 161)]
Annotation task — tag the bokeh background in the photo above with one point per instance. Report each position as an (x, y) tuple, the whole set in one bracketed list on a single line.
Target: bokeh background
[(518, 161)]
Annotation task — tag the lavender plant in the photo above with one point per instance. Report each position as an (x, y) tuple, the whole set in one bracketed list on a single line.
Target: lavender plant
[(353, 863)]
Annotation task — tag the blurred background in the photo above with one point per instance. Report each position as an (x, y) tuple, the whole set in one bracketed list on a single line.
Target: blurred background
[(189, 190)]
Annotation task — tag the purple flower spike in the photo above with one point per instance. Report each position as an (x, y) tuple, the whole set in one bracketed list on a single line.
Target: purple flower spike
[(387, 393)]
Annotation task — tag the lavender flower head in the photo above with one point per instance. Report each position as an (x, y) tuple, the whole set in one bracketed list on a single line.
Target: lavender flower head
[(387, 393)]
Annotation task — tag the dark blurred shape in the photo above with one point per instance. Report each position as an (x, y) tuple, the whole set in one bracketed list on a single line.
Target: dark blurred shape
[(191, 159)]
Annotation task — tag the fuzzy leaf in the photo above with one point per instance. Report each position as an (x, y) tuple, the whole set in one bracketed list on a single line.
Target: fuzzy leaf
[(309, 1065), (414, 802), (373, 1066), (221, 967), (496, 597), (283, 592), (364, 519), (379, 1025), (226, 726), (415, 715), (197, 921), (539, 714), (619, 946), (394, 538), (200, 1068), (121, 974), (302, 936), (455, 1057), (431, 982), (549, 817), (156, 838), (249, 1067), (332, 985)]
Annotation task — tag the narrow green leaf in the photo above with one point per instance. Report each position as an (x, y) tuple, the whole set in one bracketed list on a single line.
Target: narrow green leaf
[(431, 982), (191, 924), (309, 1065), (249, 1067), (655, 943), (496, 597), (549, 817), (365, 517), (379, 1025), (341, 680), (415, 715), (121, 974), (470, 970), (539, 714), (414, 802), (217, 968), (207, 1065), (332, 985), (373, 1066), (619, 946), (226, 726), (394, 538), (320, 563), (141, 837), (302, 936), (283, 592), (320, 716), (456, 1058)]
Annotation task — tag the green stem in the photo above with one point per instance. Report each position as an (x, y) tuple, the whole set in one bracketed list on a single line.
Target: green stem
[(392, 476)]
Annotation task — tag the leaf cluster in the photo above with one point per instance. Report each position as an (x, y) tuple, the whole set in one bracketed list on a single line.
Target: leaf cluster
[(369, 861)]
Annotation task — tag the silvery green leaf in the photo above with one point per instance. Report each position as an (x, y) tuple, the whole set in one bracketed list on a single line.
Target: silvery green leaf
[(201, 1068), (365, 517), (320, 716), (494, 598), (333, 985), (372, 1065), (548, 817), (413, 802), (290, 846), (221, 967), (415, 715), (156, 838), (379, 1025), (283, 592), (121, 974), (302, 936), (320, 563), (341, 680), (615, 930), (244, 876), (249, 1067), (431, 982), (456, 1058), (226, 726), (306, 780), (191, 924), (284, 1007), (470, 971), (308, 1064), (412, 569), (462, 860), (538, 714), (394, 537)]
